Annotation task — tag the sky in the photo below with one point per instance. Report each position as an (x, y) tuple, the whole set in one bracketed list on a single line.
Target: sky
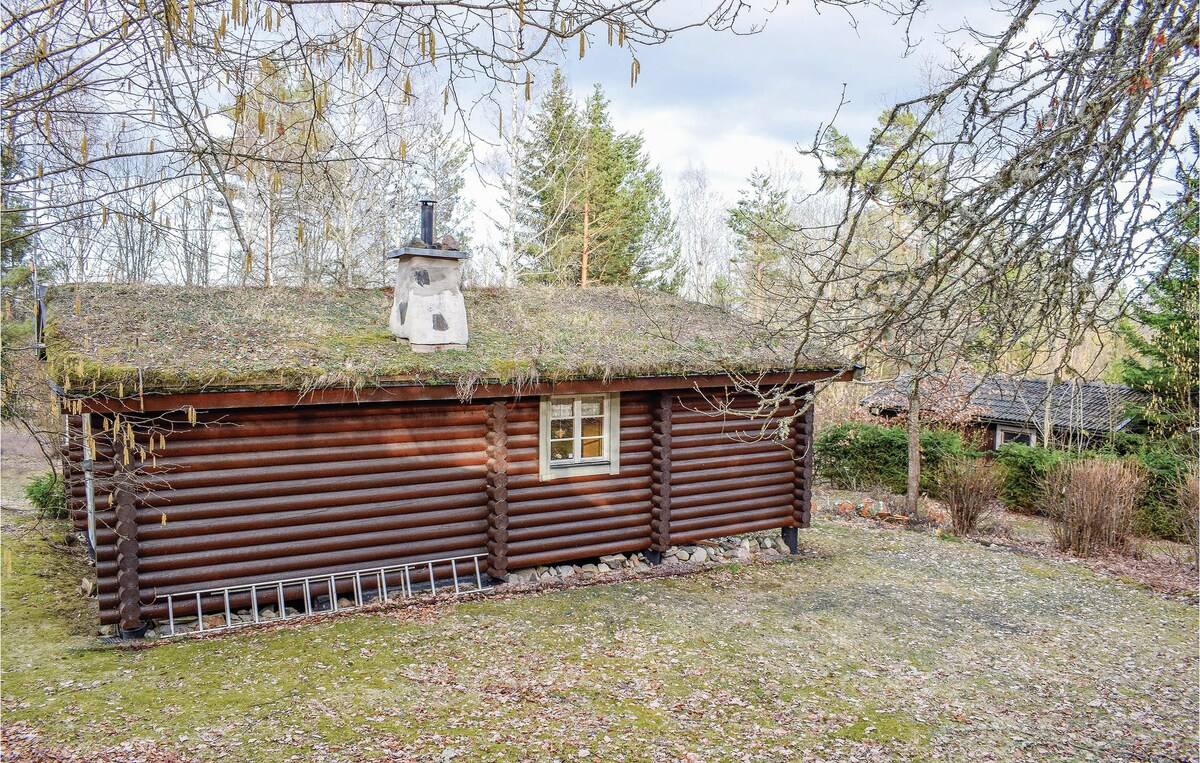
[(733, 103)]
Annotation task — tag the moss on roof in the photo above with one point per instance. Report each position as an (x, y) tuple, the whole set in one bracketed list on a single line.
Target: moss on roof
[(152, 337)]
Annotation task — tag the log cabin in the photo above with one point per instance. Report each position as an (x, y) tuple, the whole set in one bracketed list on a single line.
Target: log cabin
[(279, 450), (994, 411)]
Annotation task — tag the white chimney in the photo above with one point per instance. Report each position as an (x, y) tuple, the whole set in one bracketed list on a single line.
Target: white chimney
[(428, 308)]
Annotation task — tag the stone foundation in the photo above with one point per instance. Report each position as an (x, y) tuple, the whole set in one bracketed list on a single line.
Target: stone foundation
[(737, 549)]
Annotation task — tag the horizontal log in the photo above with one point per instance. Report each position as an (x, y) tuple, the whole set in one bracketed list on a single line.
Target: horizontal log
[(558, 542), (369, 436), (762, 428), (780, 504), (600, 497), (574, 515), (771, 467), (718, 497), (770, 480), (721, 440), (686, 524), (257, 468), (691, 536), (407, 472), (270, 547), (376, 466), (599, 527), (318, 415), (722, 464), (730, 448), (217, 509), (178, 537)]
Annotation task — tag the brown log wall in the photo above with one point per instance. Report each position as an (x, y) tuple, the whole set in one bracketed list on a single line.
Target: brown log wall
[(247, 496), (252, 495), (729, 475)]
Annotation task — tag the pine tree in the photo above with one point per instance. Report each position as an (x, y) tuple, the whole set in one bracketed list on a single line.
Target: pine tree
[(597, 211), (1166, 363)]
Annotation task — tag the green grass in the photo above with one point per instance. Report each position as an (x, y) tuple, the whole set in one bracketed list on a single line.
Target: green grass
[(882, 644)]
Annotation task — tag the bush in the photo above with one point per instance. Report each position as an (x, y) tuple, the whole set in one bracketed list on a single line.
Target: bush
[(864, 455), (1187, 502), (968, 488), (1166, 464), (47, 494), (1093, 501), (1025, 472)]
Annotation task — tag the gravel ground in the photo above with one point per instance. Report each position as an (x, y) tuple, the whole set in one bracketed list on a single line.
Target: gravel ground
[(877, 644)]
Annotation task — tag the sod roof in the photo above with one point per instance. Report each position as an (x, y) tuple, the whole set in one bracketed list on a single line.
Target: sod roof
[(156, 337)]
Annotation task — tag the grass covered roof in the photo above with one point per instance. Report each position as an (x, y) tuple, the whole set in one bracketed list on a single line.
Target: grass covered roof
[(176, 338)]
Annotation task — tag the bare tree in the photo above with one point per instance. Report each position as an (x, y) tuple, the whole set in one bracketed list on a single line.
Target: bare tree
[(1010, 207), (179, 80), (705, 247)]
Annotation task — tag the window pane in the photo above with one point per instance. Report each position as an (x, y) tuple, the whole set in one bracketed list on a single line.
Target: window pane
[(593, 427), (562, 410), (592, 447), (561, 450), (562, 429), (591, 406), (1021, 438)]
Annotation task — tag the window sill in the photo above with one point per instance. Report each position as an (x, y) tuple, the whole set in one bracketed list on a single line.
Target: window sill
[(589, 468)]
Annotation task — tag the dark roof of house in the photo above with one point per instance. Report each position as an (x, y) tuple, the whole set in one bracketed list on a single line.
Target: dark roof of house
[(174, 338), (1075, 406)]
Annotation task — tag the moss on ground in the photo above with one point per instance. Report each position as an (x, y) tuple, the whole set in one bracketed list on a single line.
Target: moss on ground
[(882, 645)]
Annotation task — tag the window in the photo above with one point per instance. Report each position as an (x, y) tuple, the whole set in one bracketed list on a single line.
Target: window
[(1010, 435), (579, 434)]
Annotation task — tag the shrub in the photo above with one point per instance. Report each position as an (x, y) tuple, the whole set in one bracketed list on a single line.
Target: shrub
[(47, 494), (855, 455), (1187, 502), (968, 488), (1025, 472), (1166, 464), (1093, 501)]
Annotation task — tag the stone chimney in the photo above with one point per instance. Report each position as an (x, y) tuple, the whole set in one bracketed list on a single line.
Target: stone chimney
[(428, 309)]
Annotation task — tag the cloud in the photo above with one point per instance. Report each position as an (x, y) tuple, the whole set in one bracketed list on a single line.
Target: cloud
[(735, 102)]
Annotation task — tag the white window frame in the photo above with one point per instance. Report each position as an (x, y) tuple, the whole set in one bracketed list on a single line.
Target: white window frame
[(608, 463), (1002, 430)]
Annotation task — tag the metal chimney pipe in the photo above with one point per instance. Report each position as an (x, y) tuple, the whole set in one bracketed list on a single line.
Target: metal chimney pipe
[(427, 221)]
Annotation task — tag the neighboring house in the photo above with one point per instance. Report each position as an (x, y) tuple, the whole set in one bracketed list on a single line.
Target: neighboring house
[(1012, 409), (229, 448)]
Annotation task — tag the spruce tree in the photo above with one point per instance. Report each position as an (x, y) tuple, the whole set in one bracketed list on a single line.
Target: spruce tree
[(761, 227), (1166, 358)]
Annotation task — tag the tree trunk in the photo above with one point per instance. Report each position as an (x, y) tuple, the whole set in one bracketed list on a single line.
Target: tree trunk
[(587, 214), (267, 253), (913, 490)]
